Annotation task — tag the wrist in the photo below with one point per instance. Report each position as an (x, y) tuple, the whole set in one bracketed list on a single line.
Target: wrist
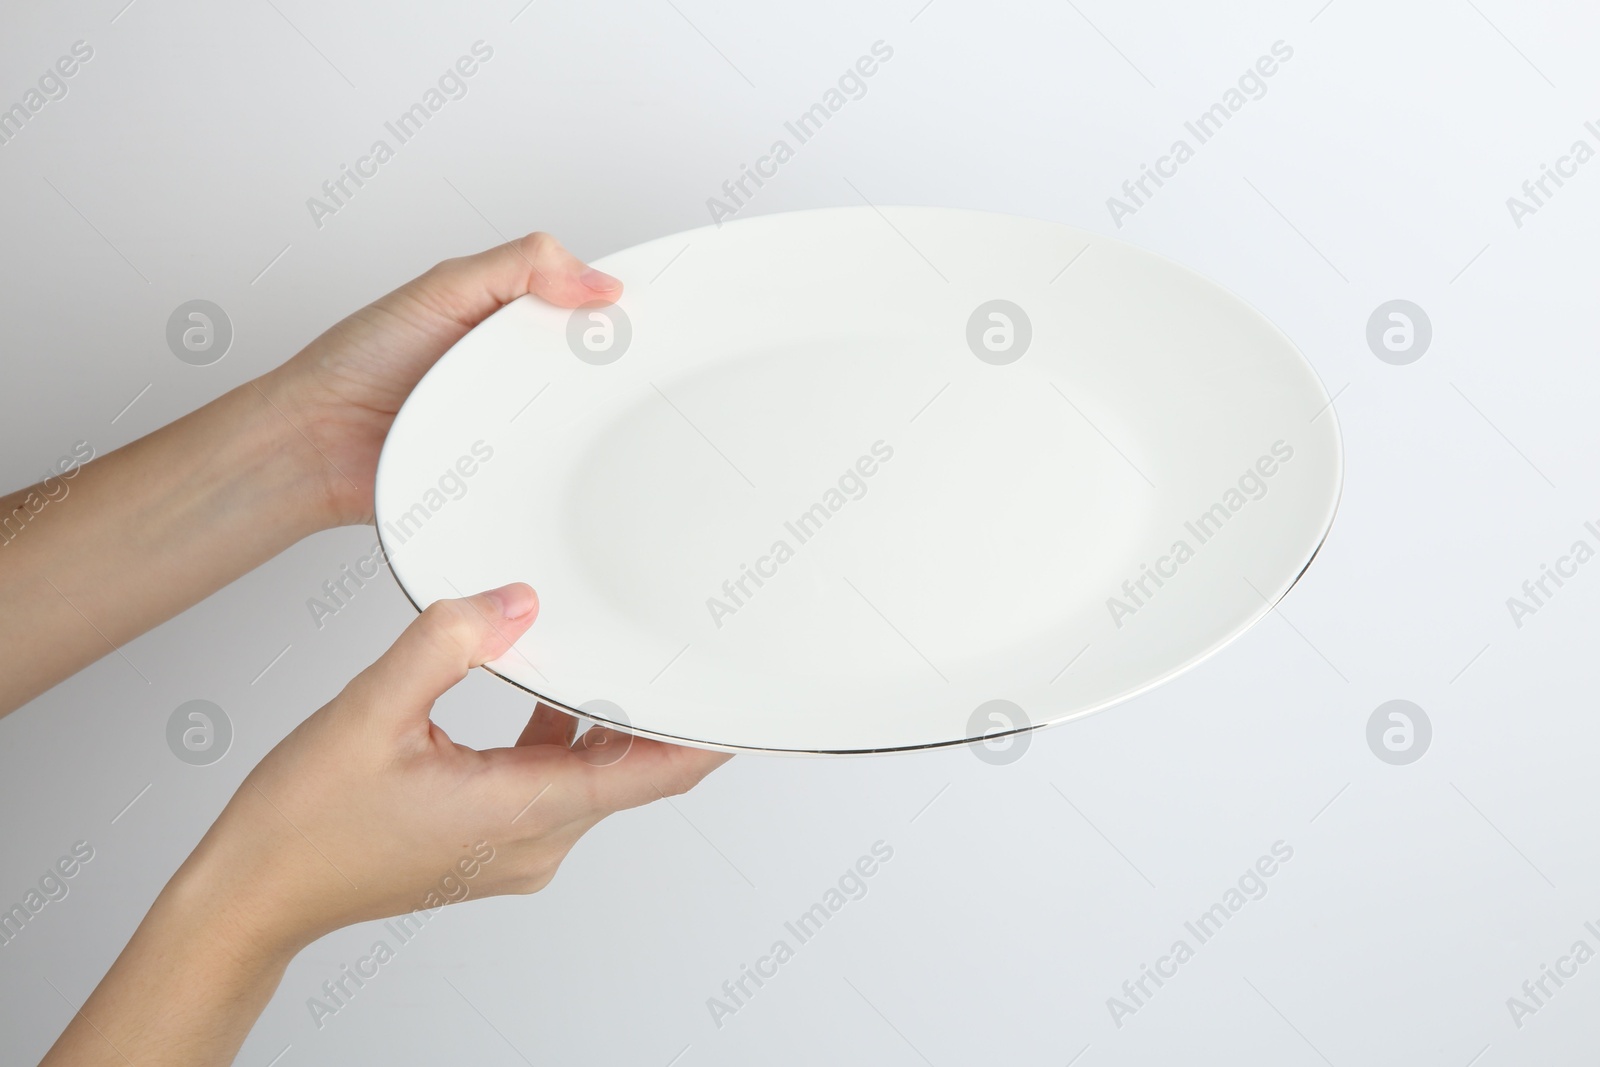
[(293, 417), (246, 933), (186, 989)]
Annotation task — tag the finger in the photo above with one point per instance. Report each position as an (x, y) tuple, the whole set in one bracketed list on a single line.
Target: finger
[(468, 289), (548, 726), (438, 649), (649, 771)]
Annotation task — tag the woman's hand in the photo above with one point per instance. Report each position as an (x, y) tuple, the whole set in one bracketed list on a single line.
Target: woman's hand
[(362, 810), (104, 552), (365, 810), (344, 389)]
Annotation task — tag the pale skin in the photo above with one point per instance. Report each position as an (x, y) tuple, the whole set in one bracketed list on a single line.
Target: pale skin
[(361, 811)]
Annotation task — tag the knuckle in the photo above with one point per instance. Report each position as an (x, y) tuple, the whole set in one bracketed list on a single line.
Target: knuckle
[(442, 269), (537, 875), (453, 622), (540, 243), (680, 780)]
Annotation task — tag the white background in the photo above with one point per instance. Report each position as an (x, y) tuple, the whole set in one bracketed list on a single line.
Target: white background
[(1376, 167)]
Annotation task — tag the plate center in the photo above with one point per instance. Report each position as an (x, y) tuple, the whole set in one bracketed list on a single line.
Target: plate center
[(830, 489)]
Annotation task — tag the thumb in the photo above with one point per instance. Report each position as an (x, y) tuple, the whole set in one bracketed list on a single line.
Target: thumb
[(437, 650), (467, 289)]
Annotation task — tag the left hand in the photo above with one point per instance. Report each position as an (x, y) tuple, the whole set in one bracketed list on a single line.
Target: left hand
[(343, 390)]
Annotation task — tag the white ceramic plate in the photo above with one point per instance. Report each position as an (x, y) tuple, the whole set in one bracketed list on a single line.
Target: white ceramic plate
[(866, 479)]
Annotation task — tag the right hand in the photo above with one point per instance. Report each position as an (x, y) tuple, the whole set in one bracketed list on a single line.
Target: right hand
[(367, 808)]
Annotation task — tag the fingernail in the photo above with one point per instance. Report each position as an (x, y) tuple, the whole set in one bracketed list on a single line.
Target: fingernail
[(515, 601), (599, 280)]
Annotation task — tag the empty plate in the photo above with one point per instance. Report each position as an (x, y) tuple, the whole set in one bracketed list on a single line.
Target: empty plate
[(861, 479)]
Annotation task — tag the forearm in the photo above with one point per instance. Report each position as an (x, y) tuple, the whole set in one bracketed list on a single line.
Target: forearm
[(89, 562), (186, 990)]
